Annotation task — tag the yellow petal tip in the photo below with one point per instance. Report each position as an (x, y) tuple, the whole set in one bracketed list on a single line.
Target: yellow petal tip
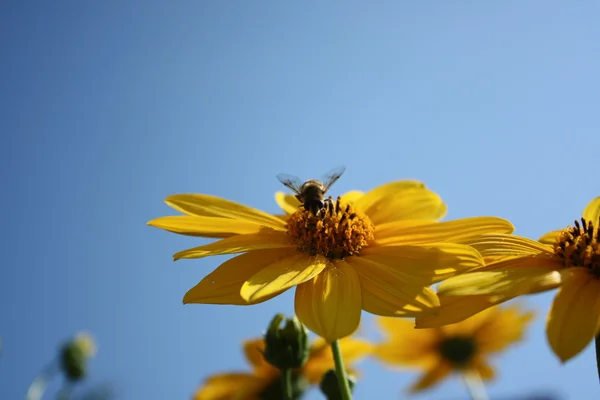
[(246, 293)]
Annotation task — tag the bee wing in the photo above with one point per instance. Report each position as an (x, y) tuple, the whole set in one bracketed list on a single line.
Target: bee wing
[(332, 176), (291, 181)]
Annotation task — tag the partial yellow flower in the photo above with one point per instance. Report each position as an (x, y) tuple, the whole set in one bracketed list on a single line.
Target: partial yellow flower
[(378, 251), (568, 259), (462, 348), (86, 343), (264, 379)]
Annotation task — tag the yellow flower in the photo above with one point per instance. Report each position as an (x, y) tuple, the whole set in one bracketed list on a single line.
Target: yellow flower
[(264, 380), (567, 258), (462, 348), (379, 252)]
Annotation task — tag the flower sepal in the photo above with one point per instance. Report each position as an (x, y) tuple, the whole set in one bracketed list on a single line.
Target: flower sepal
[(286, 347)]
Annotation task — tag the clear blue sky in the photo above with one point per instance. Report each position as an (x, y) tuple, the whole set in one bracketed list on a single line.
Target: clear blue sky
[(107, 107)]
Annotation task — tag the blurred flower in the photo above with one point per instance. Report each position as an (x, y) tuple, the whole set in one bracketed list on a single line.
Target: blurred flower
[(75, 354), (378, 251), (461, 348), (86, 343), (567, 258), (72, 362), (264, 380)]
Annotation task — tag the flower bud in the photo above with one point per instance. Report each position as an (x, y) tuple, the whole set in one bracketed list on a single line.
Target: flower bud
[(286, 347), (330, 386), (74, 356)]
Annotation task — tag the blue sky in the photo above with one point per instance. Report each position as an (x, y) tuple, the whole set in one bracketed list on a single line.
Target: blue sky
[(108, 107)]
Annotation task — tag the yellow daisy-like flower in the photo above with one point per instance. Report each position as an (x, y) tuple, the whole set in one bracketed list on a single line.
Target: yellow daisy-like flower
[(264, 382), (379, 252), (461, 348), (567, 258)]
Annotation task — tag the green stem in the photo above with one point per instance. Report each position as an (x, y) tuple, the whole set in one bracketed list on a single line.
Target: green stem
[(475, 386), (286, 383), (597, 342), (340, 371)]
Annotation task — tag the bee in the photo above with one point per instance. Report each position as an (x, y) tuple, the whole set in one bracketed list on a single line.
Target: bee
[(312, 192)]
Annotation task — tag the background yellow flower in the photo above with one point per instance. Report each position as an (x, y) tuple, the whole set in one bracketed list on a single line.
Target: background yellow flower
[(462, 348), (567, 258), (264, 379)]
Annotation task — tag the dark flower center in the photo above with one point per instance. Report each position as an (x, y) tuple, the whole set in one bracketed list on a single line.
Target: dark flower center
[(458, 350), (578, 246)]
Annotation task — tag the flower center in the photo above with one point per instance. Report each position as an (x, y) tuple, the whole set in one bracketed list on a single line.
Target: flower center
[(336, 231), (578, 246), (458, 350)]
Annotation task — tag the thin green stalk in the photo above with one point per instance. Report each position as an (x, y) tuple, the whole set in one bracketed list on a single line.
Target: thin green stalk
[(597, 342), (475, 386), (40, 383), (340, 371), (286, 383)]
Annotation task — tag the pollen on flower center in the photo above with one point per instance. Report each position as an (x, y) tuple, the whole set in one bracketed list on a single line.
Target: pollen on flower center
[(458, 350), (578, 246), (337, 231)]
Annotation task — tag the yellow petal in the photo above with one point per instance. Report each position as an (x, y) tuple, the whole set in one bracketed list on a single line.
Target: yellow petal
[(455, 309), (239, 244), (288, 202), (455, 231), (501, 245), (330, 304), (432, 377), (469, 326), (386, 191), (550, 237), (320, 359), (573, 318), (390, 282), (401, 200), (210, 227), (507, 282), (206, 205), (592, 212), (383, 303), (484, 371), (282, 275), (223, 285), (354, 349), (254, 350), (502, 328), (352, 196), (406, 346), (389, 229), (415, 204), (229, 386), (541, 260), (429, 263)]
